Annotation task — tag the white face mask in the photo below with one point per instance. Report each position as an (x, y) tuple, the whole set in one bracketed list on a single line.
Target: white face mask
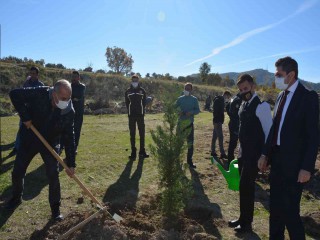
[(186, 93), (62, 104), (279, 81), (135, 84)]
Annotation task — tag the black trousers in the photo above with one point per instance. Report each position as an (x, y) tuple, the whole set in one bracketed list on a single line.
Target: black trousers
[(78, 120), (30, 146), (234, 135), (248, 172), (285, 196), (190, 141), (133, 121), (189, 132)]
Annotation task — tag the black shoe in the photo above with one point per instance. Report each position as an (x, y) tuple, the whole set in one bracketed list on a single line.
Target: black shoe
[(57, 218), (233, 223), (224, 156), (191, 165), (133, 155), (13, 203), (143, 154), (243, 228)]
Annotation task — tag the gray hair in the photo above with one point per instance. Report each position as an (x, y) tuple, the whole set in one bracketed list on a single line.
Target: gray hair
[(62, 83)]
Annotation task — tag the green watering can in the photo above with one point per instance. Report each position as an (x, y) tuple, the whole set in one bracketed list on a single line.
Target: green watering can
[(232, 176)]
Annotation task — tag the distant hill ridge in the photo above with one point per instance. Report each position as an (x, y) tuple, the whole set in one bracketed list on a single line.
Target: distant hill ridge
[(264, 77)]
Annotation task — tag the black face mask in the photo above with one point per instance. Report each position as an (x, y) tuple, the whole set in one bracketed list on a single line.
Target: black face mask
[(246, 96)]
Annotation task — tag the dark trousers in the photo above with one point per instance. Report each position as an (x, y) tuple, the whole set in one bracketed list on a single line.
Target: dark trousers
[(190, 140), (285, 196), (217, 134), (133, 121), (232, 143), (78, 120), (248, 172), (29, 147), (189, 132)]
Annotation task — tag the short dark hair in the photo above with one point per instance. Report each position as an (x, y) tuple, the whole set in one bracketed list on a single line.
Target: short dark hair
[(188, 84), (135, 76), (288, 64), (226, 93), (34, 68), (245, 77), (76, 72)]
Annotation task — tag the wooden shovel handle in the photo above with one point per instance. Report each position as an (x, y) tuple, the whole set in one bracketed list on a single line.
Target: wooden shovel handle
[(59, 159)]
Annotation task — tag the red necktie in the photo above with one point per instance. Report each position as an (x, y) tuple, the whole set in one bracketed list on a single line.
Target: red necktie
[(277, 119)]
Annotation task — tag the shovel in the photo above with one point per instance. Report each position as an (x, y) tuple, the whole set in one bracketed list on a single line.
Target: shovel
[(116, 217)]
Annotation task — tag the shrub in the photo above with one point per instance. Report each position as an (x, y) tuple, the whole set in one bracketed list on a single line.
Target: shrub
[(169, 145)]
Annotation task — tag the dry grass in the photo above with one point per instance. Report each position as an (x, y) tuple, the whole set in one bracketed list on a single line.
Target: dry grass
[(102, 164)]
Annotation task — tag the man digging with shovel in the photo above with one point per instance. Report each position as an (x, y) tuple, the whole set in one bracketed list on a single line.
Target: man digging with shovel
[(50, 111)]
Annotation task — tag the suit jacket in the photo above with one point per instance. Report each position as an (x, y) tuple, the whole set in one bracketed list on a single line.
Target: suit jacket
[(299, 134)]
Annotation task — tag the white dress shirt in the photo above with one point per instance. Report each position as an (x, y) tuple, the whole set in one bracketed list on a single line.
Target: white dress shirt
[(291, 90), (263, 112)]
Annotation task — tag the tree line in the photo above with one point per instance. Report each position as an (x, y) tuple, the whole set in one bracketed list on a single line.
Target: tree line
[(120, 62)]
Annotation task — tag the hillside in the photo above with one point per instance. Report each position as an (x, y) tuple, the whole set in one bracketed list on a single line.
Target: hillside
[(263, 77), (105, 92)]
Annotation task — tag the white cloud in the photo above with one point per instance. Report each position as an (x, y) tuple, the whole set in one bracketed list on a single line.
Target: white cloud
[(283, 54), (303, 7)]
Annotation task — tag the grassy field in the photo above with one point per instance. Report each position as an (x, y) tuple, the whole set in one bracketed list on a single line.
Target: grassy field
[(102, 164)]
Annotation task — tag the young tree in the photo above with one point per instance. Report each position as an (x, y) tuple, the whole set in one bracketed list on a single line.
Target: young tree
[(119, 60), (168, 149), (204, 70)]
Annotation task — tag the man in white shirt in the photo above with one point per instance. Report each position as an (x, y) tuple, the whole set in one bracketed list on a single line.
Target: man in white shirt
[(255, 122)]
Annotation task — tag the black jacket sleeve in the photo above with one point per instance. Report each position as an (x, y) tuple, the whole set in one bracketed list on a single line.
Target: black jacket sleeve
[(127, 99), (22, 96), (68, 138), (312, 131)]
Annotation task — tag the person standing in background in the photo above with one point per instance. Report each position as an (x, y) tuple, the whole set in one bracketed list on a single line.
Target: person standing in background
[(78, 93), (188, 107), (135, 98)]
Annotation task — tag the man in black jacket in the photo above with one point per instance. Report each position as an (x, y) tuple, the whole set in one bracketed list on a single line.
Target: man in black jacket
[(255, 123), (78, 91), (232, 109), (291, 149), (135, 98), (218, 119), (50, 111)]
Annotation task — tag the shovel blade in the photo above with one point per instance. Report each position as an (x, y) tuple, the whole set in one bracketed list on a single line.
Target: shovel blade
[(117, 218)]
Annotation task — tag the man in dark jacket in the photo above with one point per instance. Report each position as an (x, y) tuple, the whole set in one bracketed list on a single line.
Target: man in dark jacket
[(291, 149), (78, 91), (232, 109), (31, 81), (255, 122), (50, 111), (218, 119), (135, 98)]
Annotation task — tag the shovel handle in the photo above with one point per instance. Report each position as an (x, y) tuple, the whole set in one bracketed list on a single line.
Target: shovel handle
[(59, 159)]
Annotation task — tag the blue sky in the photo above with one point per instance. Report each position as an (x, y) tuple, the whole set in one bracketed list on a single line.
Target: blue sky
[(168, 36)]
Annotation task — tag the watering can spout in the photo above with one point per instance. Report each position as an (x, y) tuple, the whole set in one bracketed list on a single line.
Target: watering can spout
[(221, 168), (232, 175)]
